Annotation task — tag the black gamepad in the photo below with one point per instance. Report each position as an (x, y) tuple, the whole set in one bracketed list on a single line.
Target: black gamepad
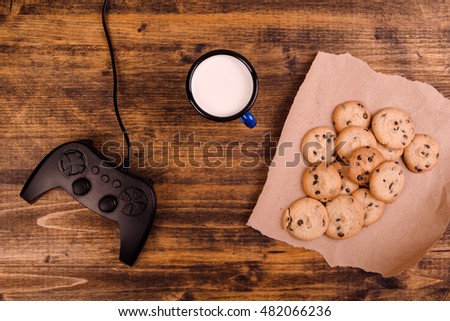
[(111, 192)]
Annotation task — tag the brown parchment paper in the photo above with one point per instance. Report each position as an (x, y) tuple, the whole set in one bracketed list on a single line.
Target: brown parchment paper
[(409, 226)]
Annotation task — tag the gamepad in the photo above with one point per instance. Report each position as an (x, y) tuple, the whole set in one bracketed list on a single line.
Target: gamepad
[(111, 192)]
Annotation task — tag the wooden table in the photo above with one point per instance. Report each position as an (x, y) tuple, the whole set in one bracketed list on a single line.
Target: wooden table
[(56, 86)]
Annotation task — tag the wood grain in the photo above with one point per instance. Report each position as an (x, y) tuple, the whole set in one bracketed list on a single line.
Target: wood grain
[(55, 86)]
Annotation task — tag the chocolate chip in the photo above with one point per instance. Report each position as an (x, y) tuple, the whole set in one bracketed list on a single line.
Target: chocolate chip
[(419, 170), (317, 192), (322, 157), (405, 136), (366, 173), (349, 122), (324, 136), (378, 170), (300, 222), (396, 123), (315, 182), (347, 190), (316, 177), (390, 186), (340, 234), (370, 159), (323, 222), (395, 195), (365, 115), (314, 153), (370, 204), (359, 157), (338, 220), (329, 140), (360, 105), (338, 228), (403, 143), (384, 180), (427, 146), (358, 164), (427, 165), (359, 178), (437, 155)]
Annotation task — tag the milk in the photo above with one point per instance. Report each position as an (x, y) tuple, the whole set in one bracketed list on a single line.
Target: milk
[(222, 85)]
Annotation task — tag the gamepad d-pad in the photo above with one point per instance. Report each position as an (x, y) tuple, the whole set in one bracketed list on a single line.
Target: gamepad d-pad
[(111, 192)]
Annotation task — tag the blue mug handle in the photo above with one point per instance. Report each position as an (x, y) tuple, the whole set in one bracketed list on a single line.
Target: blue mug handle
[(248, 119)]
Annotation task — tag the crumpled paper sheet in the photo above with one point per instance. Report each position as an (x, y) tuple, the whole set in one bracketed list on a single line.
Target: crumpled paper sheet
[(409, 226)]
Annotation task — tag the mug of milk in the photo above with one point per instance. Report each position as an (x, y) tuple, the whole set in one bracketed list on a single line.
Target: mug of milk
[(222, 86)]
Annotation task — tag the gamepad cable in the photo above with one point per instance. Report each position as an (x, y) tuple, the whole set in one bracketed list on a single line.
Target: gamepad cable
[(127, 160)]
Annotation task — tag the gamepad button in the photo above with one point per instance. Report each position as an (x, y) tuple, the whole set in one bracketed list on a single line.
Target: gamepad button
[(72, 162), (81, 186), (107, 204)]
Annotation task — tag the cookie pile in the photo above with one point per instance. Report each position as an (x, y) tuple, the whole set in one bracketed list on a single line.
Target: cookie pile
[(355, 171)]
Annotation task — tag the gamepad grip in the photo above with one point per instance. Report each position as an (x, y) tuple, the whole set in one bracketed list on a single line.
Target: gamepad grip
[(111, 192)]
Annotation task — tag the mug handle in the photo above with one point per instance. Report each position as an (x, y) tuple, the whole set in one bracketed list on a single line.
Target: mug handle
[(248, 119)]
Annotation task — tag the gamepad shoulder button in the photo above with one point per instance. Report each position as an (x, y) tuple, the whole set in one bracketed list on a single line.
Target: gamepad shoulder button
[(107, 204), (81, 186), (135, 199), (72, 162)]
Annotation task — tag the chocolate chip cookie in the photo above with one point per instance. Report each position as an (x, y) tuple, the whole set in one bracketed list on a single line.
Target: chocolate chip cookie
[(351, 138), (373, 208), (318, 144), (305, 219), (421, 154), (361, 164), (346, 216), (350, 113), (347, 186), (387, 181), (321, 182), (393, 127)]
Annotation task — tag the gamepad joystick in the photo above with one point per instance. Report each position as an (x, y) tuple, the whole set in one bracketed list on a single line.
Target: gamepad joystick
[(111, 192)]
